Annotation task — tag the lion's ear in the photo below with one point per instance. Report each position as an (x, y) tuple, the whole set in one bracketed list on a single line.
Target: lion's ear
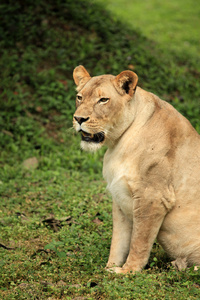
[(80, 75), (126, 82)]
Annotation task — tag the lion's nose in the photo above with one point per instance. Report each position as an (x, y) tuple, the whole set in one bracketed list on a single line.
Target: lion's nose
[(80, 120)]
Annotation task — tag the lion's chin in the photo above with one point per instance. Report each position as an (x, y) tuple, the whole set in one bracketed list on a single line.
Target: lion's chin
[(90, 146)]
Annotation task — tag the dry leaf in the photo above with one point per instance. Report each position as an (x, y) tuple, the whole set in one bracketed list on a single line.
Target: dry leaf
[(30, 163), (97, 221)]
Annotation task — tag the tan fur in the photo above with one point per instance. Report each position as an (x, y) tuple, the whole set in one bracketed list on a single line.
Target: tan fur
[(152, 167)]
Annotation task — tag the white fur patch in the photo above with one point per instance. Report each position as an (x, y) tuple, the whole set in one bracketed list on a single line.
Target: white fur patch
[(89, 146)]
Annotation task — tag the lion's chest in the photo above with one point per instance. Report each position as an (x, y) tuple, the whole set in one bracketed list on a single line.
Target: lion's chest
[(121, 195), (115, 173)]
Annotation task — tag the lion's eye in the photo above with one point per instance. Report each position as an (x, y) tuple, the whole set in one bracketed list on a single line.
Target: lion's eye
[(79, 98), (103, 100)]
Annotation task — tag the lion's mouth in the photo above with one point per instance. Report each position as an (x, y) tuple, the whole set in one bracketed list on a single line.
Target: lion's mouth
[(94, 138)]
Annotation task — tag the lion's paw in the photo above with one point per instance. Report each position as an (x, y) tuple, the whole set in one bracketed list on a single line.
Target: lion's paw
[(118, 270)]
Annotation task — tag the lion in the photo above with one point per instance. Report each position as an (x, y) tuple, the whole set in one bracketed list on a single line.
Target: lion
[(152, 168)]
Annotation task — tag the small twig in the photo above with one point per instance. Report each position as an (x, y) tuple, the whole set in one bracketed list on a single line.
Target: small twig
[(5, 247)]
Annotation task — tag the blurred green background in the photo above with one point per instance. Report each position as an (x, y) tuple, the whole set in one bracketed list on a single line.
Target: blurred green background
[(173, 25)]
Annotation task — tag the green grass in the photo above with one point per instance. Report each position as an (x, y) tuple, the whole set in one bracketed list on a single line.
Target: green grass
[(172, 24), (55, 216)]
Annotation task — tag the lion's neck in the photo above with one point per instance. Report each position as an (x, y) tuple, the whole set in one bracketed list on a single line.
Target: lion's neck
[(141, 109)]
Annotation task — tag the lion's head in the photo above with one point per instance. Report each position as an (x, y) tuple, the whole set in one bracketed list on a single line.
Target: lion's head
[(103, 107)]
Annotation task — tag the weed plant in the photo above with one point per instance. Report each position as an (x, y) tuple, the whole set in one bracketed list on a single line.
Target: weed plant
[(55, 215)]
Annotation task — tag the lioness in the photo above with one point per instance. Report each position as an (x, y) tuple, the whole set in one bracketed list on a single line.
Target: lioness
[(152, 167)]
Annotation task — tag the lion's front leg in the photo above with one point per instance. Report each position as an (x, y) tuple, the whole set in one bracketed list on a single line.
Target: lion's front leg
[(121, 238), (147, 220)]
